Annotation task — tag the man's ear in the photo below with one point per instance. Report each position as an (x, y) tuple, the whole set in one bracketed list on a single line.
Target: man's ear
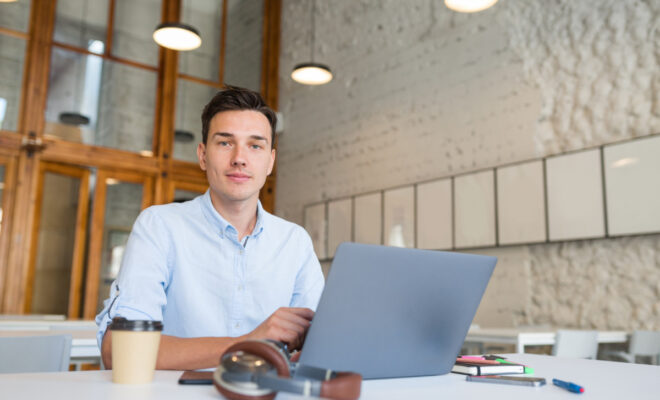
[(272, 162), (201, 156)]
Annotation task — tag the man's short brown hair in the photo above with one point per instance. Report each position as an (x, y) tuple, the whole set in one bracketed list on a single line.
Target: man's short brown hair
[(233, 98)]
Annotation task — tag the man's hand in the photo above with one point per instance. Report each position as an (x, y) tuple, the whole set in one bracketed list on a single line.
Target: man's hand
[(287, 324)]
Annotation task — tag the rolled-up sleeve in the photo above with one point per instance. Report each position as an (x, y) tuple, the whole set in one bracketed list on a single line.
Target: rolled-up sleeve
[(139, 292)]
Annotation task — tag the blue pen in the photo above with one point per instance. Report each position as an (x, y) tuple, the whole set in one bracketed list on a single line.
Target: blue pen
[(571, 387)]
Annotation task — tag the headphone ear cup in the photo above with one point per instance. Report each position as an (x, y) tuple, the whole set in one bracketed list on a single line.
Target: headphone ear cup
[(345, 386), (263, 349)]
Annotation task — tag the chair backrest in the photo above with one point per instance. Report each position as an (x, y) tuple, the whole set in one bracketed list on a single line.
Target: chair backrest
[(35, 353), (576, 344), (645, 343)]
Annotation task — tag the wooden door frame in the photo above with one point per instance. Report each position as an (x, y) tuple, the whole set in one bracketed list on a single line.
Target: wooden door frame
[(8, 193), (96, 232)]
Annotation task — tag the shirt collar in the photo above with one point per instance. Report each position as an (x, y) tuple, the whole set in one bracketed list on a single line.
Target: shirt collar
[(221, 225)]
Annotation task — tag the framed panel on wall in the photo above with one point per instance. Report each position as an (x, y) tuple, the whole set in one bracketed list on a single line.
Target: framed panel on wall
[(474, 205), (632, 183), (368, 222), (315, 225), (521, 203), (434, 215), (575, 196), (399, 217), (340, 224)]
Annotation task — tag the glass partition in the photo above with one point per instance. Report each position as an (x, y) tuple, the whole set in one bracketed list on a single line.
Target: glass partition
[(56, 244), (184, 195), (243, 43), (134, 25), (81, 23), (15, 15), (123, 204), (191, 98), (12, 55), (206, 17), (100, 102)]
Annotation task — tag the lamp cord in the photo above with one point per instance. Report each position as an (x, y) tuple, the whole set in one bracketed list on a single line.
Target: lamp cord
[(313, 29)]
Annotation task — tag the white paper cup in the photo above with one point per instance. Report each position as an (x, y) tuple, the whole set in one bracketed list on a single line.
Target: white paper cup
[(134, 350)]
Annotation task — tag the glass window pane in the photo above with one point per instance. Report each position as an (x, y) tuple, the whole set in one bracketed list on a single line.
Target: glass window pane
[(134, 26), (243, 43), (100, 102), (206, 17), (16, 15), (191, 98), (184, 195), (12, 55), (82, 23), (123, 204), (56, 240)]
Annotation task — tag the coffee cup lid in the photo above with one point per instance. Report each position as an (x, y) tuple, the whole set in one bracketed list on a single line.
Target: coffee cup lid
[(123, 324)]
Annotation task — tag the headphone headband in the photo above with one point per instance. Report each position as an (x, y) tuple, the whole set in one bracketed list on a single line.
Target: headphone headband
[(246, 383)]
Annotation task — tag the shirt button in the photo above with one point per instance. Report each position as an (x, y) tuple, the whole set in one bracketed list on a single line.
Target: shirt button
[(240, 288), (238, 325)]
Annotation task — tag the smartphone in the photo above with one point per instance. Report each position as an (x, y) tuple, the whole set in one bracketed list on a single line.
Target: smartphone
[(507, 380), (196, 378)]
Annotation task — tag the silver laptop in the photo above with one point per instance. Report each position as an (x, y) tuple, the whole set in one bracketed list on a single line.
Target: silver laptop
[(391, 312)]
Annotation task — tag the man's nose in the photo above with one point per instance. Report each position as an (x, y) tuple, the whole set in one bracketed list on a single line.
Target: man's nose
[(238, 159)]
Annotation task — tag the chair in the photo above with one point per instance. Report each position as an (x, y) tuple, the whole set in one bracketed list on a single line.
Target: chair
[(576, 344), (35, 353), (642, 344)]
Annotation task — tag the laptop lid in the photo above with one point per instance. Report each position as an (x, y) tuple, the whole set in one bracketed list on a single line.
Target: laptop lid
[(391, 312)]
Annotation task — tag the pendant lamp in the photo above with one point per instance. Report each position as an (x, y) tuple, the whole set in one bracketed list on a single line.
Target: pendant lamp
[(469, 6), (312, 73), (177, 36)]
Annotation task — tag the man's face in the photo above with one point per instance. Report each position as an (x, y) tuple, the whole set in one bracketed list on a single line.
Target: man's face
[(237, 156)]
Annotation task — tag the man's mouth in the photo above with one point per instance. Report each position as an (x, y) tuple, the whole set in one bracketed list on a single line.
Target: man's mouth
[(238, 177)]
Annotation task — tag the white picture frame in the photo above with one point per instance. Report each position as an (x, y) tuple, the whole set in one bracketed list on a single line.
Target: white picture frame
[(340, 224), (521, 203), (632, 183), (315, 224), (435, 223), (574, 188), (368, 218), (399, 217), (474, 210)]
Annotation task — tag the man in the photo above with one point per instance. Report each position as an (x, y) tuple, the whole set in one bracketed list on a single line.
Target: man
[(219, 269)]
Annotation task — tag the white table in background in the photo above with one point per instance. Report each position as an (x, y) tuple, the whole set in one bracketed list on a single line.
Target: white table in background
[(602, 380), (521, 337), (83, 333)]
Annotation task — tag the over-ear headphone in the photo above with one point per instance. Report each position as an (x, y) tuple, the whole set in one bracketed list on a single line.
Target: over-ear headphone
[(258, 369)]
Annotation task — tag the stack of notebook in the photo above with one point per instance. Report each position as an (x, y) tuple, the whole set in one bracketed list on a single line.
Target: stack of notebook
[(488, 365)]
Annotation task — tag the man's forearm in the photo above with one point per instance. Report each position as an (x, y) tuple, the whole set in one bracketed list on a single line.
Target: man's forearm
[(180, 353), (192, 353)]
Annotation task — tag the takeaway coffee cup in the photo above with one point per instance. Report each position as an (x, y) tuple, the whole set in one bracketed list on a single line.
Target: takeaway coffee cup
[(134, 349)]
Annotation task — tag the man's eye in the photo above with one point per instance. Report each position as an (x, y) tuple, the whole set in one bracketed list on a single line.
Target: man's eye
[(256, 146), (223, 143)]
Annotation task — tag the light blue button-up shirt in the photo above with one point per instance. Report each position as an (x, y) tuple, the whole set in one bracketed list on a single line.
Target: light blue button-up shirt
[(185, 266)]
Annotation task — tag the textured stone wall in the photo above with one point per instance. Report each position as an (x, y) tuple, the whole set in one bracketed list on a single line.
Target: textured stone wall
[(421, 92)]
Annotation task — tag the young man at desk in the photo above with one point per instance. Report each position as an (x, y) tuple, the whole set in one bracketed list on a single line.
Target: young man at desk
[(219, 269)]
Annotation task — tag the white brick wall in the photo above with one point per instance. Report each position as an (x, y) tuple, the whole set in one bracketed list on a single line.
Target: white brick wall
[(421, 92)]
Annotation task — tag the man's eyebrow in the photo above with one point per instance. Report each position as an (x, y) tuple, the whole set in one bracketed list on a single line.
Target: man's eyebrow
[(231, 135)]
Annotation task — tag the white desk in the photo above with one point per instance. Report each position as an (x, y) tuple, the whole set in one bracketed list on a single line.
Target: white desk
[(531, 337), (602, 380), (83, 332)]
